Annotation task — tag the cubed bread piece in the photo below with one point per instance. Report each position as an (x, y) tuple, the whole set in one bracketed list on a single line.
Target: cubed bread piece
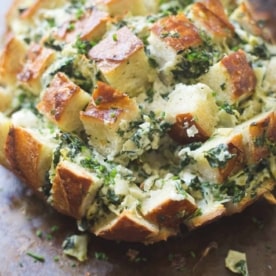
[(108, 110), (192, 111), (73, 189), (5, 125), (209, 15), (232, 79), (121, 7), (129, 227), (11, 60), (91, 27), (122, 61), (36, 62), (62, 102), (170, 36), (167, 206), (220, 157), (243, 16), (29, 156), (259, 135), (206, 215)]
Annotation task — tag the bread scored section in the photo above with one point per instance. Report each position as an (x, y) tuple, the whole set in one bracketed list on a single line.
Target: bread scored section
[(62, 102), (108, 111), (210, 16), (122, 62), (232, 78), (73, 189), (171, 40), (29, 156)]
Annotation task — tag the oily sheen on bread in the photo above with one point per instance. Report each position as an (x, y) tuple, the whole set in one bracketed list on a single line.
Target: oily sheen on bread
[(136, 117)]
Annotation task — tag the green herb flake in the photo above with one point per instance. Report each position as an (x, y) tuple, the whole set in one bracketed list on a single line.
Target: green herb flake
[(115, 37), (39, 233), (101, 256), (36, 257), (219, 156)]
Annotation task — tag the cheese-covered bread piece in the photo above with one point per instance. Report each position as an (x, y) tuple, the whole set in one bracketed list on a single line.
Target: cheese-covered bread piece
[(62, 102), (29, 155), (108, 112), (219, 157), (12, 60), (192, 111), (232, 79), (73, 189), (169, 38), (169, 205), (210, 16), (35, 64), (122, 61), (259, 136)]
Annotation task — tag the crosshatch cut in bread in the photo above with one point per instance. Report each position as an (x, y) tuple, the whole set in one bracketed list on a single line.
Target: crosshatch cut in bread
[(136, 117)]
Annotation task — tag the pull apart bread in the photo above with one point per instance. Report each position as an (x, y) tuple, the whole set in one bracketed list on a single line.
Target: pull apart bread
[(134, 117)]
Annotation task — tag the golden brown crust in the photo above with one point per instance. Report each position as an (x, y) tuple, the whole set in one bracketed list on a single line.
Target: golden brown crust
[(127, 227), (242, 76), (210, 16), (28, 157), (11, 60), (36, 62), (62, 101), (179, 129), (115, 49), (177, 32), (73, 189), (108, 105), (171, 212)]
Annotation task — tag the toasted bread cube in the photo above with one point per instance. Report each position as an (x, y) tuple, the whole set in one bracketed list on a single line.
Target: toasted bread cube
[(208, 214), (123, 62), (62, 102), (91, 27), (220, 157), (167, 207), (5, 125), (126, 227), (258, 132), (107, 111), (193, 113), (11, 60), (73, 189), (170, 36), (29, 156), (210, 17), (37, 61), (233, 78)]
